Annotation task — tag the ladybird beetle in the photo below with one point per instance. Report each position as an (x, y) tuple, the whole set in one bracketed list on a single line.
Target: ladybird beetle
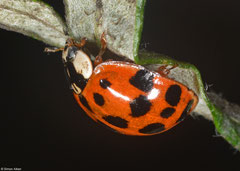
[(126, 97)]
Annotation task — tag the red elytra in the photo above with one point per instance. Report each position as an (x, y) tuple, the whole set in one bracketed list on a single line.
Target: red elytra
[(133, 100)]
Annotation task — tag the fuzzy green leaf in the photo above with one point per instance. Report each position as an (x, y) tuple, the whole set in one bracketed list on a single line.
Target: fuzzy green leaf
[(120, 20), (33, 18)]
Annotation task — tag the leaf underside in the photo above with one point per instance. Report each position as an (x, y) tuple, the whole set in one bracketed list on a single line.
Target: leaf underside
[(121, 21), (34, 19)]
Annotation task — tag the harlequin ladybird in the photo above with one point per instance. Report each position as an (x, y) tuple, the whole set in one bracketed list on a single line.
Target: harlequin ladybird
[(124, 96)]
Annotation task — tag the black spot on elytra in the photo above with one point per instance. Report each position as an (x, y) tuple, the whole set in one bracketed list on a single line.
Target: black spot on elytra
[(106, 126), (152, 128), (142, 80), (104, 83), (140, 106), (98, 98), (173, 94), (84, 102), (186, 111), (116, 121), (167, 112)]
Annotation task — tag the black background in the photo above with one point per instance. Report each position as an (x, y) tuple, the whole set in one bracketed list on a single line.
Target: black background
[(42, 126)]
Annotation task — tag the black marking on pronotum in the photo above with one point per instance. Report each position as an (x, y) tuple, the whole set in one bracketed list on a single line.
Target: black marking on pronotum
[(116, 121), (142, 80), (173, 94), (98, 98), (74, 77), (72, 50), (152, 128), (104, 83), (84, 102), (186, 111), (140, 106), (167, 112), (65, 48)]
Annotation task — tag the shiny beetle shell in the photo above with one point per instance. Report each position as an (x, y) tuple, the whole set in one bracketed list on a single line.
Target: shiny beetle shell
[(132, 100)]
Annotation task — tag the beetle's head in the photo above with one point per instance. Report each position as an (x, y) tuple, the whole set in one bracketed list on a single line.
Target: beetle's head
[(78, 66)]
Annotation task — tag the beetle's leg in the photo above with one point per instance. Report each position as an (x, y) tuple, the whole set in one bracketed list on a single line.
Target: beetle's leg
[(103, 45), (69, 42), (53, 49), (81, 44), (98, 58), (164, 71)]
